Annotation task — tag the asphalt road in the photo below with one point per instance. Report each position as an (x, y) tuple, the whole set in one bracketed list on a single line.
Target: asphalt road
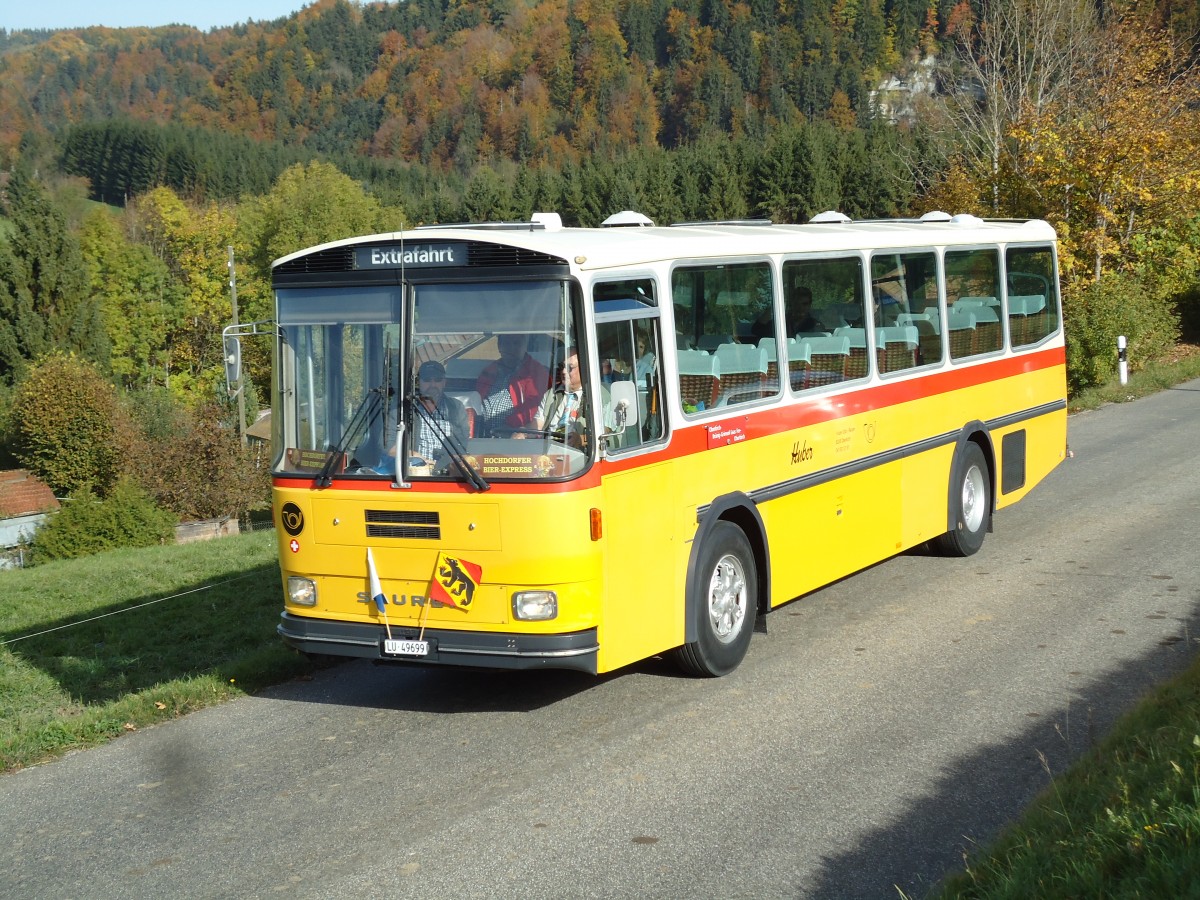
[(882, 727)]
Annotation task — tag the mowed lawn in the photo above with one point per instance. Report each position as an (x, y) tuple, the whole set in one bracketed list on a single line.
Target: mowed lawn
[(92, 648)]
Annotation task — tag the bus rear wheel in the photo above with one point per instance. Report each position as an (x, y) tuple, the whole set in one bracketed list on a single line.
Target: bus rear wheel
[(970, 504), (728, 604)]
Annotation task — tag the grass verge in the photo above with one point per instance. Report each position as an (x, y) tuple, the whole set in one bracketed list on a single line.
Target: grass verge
[(96, 647), (1184, 365), (1124, 821)]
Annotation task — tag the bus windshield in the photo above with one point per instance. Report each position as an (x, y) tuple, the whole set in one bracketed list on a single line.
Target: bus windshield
[(457, 381)]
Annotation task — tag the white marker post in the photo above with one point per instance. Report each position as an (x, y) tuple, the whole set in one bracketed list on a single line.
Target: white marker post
[(1122, 361)]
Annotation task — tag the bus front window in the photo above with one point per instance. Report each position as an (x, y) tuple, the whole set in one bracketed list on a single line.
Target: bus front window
[(458, 372)]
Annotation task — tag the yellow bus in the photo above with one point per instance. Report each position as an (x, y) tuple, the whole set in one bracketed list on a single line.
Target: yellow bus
[(523, 445)]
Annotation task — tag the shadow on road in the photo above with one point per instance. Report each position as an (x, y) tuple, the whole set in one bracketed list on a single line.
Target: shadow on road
[(989, 789)]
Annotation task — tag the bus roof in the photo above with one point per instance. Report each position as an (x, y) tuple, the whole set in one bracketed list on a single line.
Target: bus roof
[(600, 248)]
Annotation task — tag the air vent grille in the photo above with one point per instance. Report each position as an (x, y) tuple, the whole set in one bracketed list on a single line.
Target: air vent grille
[(408, 524)]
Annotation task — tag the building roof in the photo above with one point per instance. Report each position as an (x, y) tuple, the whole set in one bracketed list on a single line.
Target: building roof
[(22, 494)]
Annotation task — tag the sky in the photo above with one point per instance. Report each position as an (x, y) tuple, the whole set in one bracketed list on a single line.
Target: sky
[(18, 14)]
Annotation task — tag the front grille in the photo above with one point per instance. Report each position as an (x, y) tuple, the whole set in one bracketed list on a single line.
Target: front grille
[(394, 523)]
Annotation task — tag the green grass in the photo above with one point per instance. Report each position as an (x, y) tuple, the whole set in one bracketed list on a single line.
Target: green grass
[(1124, 821), (1153, 378), (80, 665)]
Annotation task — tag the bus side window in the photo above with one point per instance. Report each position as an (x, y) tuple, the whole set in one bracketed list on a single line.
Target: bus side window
[(1032, 296), (973, 286), (722, 314), (630, 350), (828, 344), (905, 292)]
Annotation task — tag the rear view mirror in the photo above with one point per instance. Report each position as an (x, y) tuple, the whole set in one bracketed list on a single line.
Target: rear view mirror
[(233, 361)]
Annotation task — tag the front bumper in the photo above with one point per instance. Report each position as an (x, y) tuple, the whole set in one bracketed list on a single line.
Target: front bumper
[(490, 650)]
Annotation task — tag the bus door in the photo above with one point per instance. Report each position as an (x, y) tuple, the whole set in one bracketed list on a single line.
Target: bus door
[(643, 594)]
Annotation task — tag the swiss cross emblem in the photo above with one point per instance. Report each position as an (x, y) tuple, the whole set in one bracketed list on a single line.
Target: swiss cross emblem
[(295, 545)]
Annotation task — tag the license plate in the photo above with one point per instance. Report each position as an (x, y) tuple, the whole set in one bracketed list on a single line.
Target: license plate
[(405, 648)]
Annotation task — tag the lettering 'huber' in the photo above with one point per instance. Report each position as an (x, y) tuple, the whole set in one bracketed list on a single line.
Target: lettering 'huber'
[(801, 452)]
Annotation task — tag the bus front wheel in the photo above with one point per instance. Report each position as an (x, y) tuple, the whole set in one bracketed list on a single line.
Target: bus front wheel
[(727, 605), (970, 504)]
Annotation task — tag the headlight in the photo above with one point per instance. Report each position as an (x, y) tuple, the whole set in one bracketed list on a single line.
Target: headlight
[(535, 606), (301, 591)]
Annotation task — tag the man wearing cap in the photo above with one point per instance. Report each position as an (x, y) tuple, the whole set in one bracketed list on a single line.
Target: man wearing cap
[(449, 416)]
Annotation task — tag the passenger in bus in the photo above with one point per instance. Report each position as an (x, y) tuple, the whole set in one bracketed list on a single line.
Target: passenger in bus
[(645, 361), (511, 387), (684, 328), (443, 416), (797, 307), (612, 366)]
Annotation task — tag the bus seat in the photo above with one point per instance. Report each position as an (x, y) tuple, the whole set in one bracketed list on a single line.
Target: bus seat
[(898, 347), (1023, 310), (961, 327), (699, 378), (988, 336), (769, 347), (925, 323), (474, 405), (1026, 304), (829, 358), (743, 370), (974, 302), (799, 363), (858, 365)]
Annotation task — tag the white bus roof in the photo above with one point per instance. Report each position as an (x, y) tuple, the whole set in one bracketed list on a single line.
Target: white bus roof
[(600, 248)]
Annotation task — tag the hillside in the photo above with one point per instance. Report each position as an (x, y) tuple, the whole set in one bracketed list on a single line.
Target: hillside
[(447, 85)]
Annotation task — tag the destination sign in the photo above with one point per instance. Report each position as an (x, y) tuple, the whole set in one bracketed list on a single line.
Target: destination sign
[(411, 256)]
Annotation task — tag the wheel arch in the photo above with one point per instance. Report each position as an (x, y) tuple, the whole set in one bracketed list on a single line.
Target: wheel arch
[(972, 433), (740, 510)]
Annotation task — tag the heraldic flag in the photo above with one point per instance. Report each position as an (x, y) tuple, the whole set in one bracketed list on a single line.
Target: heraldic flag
[(376, 587), (454, 581)]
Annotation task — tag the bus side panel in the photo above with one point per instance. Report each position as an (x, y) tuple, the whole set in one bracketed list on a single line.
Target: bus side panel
[(643, 606), (1045, 448)]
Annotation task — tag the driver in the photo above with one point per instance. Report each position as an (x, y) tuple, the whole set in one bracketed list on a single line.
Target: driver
[(562, 412)]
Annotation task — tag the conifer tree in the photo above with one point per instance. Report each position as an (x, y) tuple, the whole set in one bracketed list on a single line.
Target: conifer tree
[(44, 300)]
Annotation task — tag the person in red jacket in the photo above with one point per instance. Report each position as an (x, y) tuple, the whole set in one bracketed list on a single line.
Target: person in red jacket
[(511, 387)]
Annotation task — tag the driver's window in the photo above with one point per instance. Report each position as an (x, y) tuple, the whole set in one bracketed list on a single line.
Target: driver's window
[(629, 361)]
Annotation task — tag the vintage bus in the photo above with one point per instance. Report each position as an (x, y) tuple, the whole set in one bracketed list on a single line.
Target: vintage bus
[(755, 410)]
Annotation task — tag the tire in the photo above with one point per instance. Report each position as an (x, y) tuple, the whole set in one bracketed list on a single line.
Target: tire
[(970, 504), (727, 606)]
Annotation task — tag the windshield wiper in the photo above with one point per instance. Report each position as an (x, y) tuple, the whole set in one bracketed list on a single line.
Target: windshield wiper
[(366, 413), (453, 447)]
